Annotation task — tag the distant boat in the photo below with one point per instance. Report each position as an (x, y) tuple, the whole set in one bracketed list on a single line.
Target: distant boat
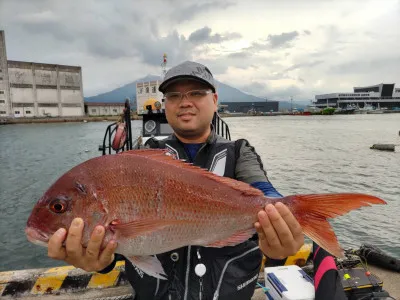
[(365, 109), (348, 110), (377, 110)]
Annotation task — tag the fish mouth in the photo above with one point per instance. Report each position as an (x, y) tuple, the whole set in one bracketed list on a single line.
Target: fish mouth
[(36, 236)]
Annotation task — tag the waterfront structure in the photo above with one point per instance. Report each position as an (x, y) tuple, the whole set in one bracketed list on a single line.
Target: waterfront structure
[(245, 107), (31, 89), (380, 95), (147, 93), (104, 108)]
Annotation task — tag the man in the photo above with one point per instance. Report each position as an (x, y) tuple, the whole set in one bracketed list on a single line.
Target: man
[(197, 272)]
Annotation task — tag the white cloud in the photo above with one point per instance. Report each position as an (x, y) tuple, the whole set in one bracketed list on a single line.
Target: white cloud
[(273, 49)]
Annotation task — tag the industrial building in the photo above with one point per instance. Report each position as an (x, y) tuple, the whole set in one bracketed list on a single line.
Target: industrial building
[(147, 93), (104, 109), (379, 95), (29, 89), (246, 107)]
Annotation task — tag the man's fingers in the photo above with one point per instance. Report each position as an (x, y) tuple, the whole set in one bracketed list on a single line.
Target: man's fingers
[(284, 234), (107, 256), (73, 243), (296, 232), (55, 248), (269, 231), (260, 231), (289, 219), (93, 247)]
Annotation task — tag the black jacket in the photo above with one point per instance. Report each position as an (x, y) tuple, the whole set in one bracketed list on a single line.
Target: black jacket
[(231, 272)]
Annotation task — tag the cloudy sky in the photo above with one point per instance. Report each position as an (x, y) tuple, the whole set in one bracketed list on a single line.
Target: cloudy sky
[(273, 49)]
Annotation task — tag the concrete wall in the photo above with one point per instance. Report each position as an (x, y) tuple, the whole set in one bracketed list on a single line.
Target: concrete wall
[(93, 111), (71, 111), (19, 76), (4, 83), (48, 111), (105, 110), (46, 77), (25, 111), (71, 96), (49, 88), (46, 95), (22, 95), (69, 79)]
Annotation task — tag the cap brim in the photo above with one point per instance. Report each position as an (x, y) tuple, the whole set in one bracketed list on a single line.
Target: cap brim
[(164, 85)]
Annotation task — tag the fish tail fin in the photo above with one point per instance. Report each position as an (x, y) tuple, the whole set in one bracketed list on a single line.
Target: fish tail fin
[(312, 212)]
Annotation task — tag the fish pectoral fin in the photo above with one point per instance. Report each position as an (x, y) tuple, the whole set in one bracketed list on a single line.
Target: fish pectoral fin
[(141, 226), (149, 265), (237, 238)]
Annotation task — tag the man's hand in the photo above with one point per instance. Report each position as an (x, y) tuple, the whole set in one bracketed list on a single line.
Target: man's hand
[(89, 259), (280, 235)]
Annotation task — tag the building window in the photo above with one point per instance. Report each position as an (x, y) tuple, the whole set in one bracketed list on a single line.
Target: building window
[(115, 110), (28, 112), (1, 92), (153, 89), (1, 78), (2, 101), (2, 112), (16, 112), (93, 110), (141, 91), (147, 89)]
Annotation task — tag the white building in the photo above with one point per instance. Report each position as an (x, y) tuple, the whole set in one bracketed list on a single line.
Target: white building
[(29, 89), (382, 95), (104, 109), (147, 94)]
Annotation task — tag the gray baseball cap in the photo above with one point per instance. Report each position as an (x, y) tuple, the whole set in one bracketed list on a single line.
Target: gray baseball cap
[(188, 70)]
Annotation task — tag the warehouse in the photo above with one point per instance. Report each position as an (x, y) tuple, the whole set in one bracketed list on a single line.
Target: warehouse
[(29, 89), (104, 109)]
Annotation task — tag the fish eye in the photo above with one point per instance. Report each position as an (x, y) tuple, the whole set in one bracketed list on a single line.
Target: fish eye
[(58, 206)]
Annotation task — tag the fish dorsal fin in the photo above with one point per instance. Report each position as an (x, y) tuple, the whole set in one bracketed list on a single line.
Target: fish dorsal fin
[(164, 157), (145, 152)]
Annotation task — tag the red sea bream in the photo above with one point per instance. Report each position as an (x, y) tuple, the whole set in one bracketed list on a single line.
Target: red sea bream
[(151, 203)]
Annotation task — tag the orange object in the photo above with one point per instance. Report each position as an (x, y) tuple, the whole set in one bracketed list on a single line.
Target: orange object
[(120, 137)]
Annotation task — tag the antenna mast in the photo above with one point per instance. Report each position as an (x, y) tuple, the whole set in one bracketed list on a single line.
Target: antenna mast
[(164, 66)]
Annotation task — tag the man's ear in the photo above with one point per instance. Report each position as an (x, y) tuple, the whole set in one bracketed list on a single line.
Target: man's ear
[(215, 98)]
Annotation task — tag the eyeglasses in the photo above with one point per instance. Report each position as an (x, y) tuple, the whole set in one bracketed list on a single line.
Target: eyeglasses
[(194, 95)]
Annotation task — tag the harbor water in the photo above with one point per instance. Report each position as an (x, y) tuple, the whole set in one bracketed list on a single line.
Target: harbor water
[(301, 154)]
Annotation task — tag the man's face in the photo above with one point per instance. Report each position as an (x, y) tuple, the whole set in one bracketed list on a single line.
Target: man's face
[(190, 116)]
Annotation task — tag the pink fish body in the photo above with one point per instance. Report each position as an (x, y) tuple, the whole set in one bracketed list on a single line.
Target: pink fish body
[(151, 203)]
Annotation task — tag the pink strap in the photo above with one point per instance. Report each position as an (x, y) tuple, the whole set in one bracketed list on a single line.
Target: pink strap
[(316, 251), (327, 264)]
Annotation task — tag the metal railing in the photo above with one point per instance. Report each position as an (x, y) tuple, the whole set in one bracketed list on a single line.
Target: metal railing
[(221, 128)]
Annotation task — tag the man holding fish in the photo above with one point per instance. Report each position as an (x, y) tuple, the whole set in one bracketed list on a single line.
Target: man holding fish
[(194, 235)]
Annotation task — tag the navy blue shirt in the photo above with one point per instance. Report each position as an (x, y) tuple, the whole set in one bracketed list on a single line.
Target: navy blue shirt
[(191, 150)]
